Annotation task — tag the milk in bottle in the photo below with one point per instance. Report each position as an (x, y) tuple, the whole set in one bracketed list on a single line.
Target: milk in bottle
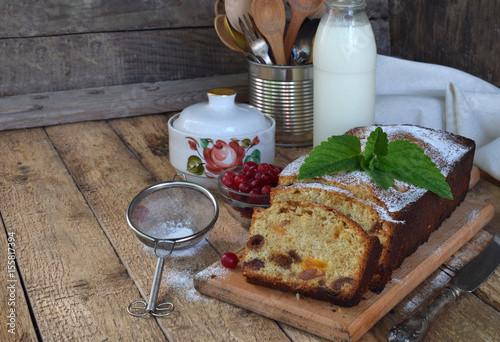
[(344, 61)]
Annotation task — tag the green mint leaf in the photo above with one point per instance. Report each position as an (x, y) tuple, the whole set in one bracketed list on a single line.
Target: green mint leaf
[(339, 153), (384, 161), (408, 163), (367, 163), (384, 179), (376, 143)]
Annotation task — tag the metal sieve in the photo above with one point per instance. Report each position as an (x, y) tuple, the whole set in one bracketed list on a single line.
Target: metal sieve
[(169, 216)]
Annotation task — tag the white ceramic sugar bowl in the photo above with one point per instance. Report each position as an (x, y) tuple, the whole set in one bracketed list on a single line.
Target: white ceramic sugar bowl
[(208, 138)]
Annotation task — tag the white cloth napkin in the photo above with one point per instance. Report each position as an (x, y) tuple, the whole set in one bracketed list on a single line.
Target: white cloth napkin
[(444, 98)]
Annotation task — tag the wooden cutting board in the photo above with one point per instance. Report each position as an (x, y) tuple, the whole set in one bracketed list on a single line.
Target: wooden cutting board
[(347, 324)]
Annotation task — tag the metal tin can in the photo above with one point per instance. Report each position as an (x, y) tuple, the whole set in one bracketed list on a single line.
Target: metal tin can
[(286, 94)]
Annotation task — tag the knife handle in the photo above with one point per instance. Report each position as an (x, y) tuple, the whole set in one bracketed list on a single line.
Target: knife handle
[(416, 327)]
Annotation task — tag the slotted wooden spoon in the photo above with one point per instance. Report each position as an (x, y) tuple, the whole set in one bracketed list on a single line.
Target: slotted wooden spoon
[(270, 18), (235, 9)]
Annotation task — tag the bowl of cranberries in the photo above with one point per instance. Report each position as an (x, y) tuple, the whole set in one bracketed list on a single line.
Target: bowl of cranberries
[(246, 187)]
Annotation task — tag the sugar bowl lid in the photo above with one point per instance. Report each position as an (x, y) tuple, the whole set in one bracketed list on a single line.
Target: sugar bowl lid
[(221, 116)]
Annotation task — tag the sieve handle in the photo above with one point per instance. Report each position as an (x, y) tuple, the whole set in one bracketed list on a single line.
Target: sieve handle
[(156, 285), (162, 309)]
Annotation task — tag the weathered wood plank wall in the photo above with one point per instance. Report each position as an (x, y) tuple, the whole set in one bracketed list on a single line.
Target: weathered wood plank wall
[(461, 34), (54, 45)]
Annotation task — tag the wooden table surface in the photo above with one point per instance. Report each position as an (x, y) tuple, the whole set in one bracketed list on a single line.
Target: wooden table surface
[(63, 194)]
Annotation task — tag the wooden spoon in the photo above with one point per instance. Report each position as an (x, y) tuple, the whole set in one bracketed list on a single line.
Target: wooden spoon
[(270, 18), (219, 7), (224, 35), (221, 26), (236, 9), (238, 37), (300, 10)]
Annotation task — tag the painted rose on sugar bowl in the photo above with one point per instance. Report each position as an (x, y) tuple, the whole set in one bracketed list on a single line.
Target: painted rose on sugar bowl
[(206, 139)]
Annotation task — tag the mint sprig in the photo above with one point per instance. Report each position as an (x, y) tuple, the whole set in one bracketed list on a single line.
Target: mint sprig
[(385, 161)]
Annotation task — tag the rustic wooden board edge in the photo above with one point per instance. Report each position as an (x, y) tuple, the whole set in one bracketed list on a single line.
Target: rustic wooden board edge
[(475, 176), (44, 109), (349, 324)]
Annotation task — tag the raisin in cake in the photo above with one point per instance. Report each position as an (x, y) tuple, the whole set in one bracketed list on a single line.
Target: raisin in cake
[(403, 216), (310, 249)]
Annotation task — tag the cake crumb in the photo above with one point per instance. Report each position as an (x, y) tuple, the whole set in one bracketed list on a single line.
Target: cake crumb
[(297, 295)]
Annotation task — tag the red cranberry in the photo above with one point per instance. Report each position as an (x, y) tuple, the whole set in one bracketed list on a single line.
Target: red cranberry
[(264, 167), (250, 165), (250, 174), (239, 178), (266, 190), (257, 184), (245, 187), (229, 260), (254, 199), (230, 173), (228, 180), (267, 178)]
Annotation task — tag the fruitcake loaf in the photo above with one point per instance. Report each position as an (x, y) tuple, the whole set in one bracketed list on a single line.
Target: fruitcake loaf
[(310, 249), (414, 212)]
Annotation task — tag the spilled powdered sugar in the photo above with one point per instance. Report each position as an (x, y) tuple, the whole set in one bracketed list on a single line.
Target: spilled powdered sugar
[(176, 277), (473, 215), (215, 270), (421, 295)]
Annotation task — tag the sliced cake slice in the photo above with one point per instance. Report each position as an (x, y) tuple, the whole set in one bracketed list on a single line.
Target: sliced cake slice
[(310, 249)]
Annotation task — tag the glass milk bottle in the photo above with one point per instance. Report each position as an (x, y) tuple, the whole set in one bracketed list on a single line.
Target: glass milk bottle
[(344, 62)]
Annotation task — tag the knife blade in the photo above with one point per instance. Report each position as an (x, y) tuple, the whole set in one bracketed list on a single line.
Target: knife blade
[(467, 279)]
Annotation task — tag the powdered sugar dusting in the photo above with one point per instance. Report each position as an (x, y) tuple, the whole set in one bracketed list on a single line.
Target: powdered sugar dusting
[(292, 169), (181, 281), (391, 199), (381, 211), (443, 148), (473, 215), (215, 270), (170, 230), (423, 292)]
